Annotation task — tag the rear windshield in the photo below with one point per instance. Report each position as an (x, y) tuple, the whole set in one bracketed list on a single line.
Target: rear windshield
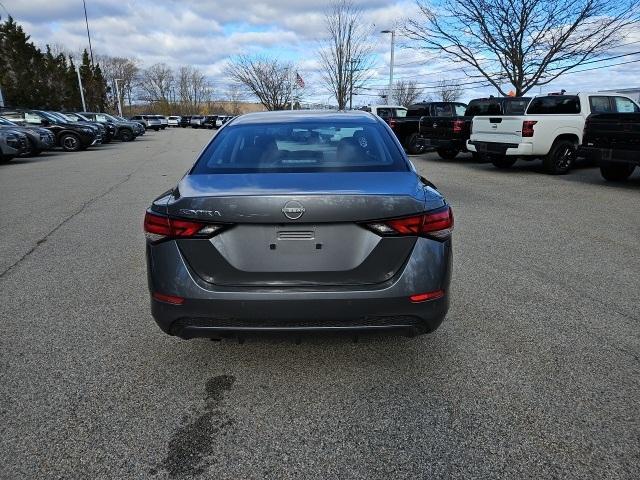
[(478, 108), (301, 147), (554, 104)]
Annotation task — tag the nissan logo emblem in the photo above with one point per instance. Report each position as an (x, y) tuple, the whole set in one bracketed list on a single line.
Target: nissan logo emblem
[(293, 210)]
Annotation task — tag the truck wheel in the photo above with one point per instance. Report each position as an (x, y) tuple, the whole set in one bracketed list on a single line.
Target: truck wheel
[(616, 172), (413, 145), (70, 142), (503, 162), (476, 157), (448, 153), (561, 157)]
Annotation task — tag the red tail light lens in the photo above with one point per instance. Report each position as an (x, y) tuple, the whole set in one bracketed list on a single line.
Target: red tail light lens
[(437, 224), (159, 227), (172, 299), (392, 123), (423, 297), (527, 128), (458, 126)]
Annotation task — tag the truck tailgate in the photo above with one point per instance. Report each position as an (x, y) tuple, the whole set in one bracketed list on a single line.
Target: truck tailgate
[(500, 129)]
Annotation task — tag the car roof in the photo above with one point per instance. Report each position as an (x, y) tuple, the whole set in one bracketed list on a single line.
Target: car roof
[(286, 116)]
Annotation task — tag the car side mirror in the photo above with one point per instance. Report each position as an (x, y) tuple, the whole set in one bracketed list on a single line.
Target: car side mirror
[(44, 122)]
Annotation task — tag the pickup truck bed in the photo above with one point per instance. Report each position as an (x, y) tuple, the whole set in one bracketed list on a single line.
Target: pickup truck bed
[(613, 140)]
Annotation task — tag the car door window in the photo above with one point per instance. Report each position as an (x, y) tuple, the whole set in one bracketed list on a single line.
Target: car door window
[(600, 104), (32, 118), (101, 118), (460, 108), (401, 112), (384, 112), (625, 105)]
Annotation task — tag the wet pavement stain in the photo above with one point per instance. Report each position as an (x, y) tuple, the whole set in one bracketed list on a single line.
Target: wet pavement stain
[(191, 446)]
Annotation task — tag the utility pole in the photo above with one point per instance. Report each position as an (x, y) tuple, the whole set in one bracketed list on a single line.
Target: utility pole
[(351, 62), (84, 105), (86, 20), (393, 41), (118, 95), (292, 79)]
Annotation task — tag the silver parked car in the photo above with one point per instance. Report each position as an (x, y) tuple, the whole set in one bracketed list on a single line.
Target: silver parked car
[(149, 121), (300, 221)]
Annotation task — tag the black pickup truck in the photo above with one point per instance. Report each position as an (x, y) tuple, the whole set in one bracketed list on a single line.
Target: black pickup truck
[(613, 140), (407, 128), (447, 133)]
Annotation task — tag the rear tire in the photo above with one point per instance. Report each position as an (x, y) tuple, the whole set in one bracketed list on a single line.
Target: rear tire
[(503, 162), (70, 142), (413, 146), (448, 153), (126, 135), (561, 157), (156, 129), (616, 172), (476, 156)]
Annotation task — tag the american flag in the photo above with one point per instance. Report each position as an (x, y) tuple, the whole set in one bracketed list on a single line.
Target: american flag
[(299, 80)]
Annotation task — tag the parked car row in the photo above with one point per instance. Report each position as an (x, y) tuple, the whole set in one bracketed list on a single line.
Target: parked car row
[(199, 121), (152, 122), (27, 133), (555, 128)]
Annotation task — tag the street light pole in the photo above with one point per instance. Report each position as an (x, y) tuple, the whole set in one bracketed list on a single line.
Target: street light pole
[(118, 95), (393, 41), (84, 105)]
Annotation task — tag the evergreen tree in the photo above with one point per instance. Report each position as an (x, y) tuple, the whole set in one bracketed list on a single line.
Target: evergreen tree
[(21, 67), (30, 78)]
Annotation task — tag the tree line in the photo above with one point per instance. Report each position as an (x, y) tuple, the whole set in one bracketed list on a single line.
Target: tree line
[(33, 78), (47, 79)]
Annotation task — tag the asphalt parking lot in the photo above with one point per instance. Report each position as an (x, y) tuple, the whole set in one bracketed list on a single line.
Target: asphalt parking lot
[(534, 373)]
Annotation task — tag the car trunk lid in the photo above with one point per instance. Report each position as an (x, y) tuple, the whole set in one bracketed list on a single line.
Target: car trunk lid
[(297, 229)]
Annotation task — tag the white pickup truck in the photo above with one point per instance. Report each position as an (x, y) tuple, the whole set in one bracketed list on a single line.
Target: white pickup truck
[(551, 129)]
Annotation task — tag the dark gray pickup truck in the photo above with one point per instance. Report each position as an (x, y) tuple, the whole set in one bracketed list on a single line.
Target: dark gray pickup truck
[(613, 140)]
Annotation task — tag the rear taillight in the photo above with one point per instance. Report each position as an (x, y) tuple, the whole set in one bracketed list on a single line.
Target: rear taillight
[(458, 126), (159, 227), (437, 224), (392, 123), (527, 128)]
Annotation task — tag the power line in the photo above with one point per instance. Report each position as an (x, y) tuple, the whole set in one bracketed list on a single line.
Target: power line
[(428, 85)]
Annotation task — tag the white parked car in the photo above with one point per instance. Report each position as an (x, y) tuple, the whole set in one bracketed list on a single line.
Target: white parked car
[(551, 129), (173, 121), (387, 111)]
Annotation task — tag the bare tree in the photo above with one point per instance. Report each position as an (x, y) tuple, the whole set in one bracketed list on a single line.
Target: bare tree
[(234, 98), (269, 79), (405, 92), (194, 89), (346, 57), (522, 42), (156, 83), (448, 91), (124, 69)]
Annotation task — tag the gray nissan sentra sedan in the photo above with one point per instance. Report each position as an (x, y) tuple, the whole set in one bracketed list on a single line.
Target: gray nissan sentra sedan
[(300, 221)]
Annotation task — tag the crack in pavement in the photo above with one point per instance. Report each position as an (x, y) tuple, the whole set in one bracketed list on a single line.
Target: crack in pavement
[(86, 204)]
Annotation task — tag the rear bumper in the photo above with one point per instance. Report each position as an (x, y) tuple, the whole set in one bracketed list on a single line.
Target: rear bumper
[(446, 143), (208, 309), (499, 148), (610, 155)]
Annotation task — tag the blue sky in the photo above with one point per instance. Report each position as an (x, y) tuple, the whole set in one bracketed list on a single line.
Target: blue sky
[(207, 33)]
